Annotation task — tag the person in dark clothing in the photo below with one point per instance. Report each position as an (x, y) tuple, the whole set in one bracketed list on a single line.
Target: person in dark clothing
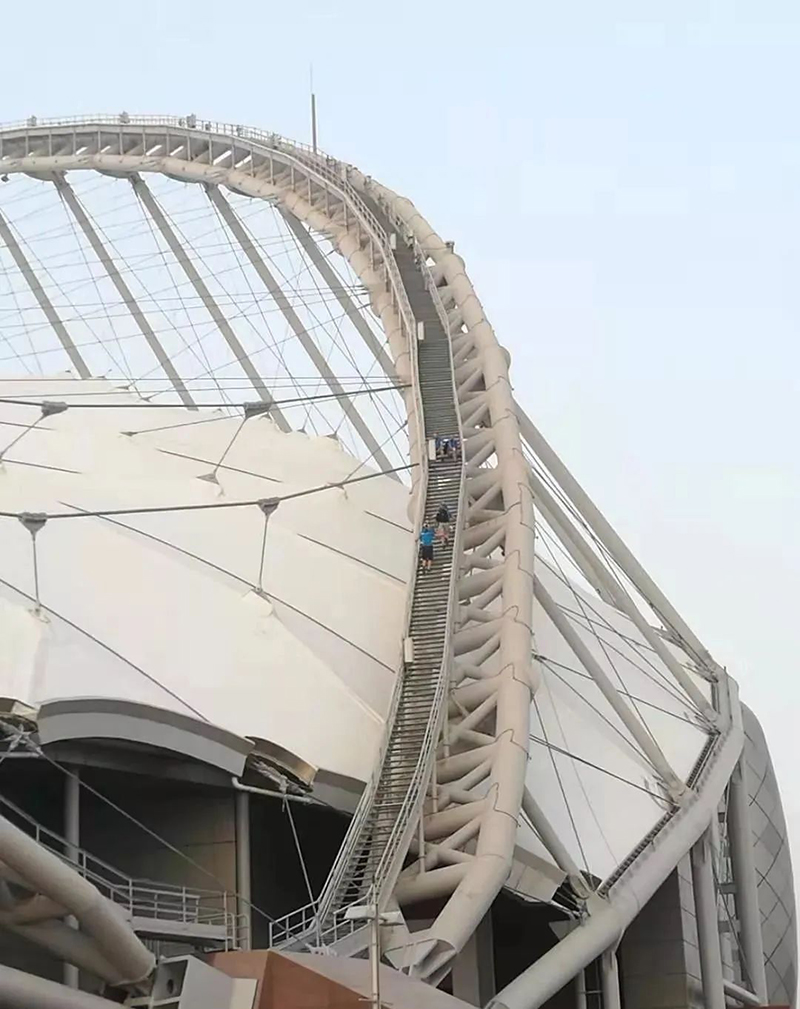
[(443, 523)]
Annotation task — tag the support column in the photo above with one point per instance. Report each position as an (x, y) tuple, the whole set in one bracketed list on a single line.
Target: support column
[(306, 341), (125, 293), (473, 968), (580, 990), (72, 834), (186, 263), (705, 905), (243, 882), (748, 912), (610, 972), (42, 299)]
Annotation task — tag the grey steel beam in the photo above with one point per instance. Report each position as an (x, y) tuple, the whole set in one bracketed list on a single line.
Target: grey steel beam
[(334, 282), (623, 601), (67, 193), (243, 881), (637, 729), (550, 839), (184, 261), (72, 834), (42, 298), (610, 979), (27, 991), (307, 343), (741, 839), (705, 906), (612, 541)]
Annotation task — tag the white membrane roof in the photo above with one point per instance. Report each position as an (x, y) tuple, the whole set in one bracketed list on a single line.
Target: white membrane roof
[(163, 608)]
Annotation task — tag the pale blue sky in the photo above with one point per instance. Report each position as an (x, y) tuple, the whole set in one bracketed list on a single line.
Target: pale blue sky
[(623, 179)]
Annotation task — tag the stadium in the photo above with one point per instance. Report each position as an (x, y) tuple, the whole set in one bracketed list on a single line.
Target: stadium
[(254, 753)]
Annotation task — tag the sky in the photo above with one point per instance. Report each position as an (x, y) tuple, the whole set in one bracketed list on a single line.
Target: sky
[(623, 180)]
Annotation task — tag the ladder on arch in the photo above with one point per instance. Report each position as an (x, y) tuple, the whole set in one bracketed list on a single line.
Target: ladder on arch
[(382, 829)]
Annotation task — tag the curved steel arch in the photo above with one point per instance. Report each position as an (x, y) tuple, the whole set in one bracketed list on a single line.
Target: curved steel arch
[(320, 192), (493, 672)]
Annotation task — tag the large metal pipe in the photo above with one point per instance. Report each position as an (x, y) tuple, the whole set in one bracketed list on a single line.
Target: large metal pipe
[(740, 835), (550, 839), (45, 873), (637, 729), (611, 540), (72, 833), (19, 990), (609, 918), (610, 975), (243, 869), (705, 906)]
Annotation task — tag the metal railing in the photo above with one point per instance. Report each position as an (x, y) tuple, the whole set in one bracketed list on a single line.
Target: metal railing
[(317, 923), (138, 898), (325, 168)]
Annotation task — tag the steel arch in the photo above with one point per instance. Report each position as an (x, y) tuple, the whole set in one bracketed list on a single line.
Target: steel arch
[(493, 618)]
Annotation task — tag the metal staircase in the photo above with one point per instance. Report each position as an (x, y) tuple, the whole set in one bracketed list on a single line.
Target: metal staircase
[(382, 829), (206, 918)]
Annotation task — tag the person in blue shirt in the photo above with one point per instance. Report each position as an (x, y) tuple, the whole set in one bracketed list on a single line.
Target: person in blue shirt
[(426, 537)]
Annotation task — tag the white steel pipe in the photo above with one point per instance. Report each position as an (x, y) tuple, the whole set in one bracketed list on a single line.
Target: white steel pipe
[(748, 998), (552, 842), (243, 882), (610, 917), (748, 912), (47, 874), (644, 740), (609, 967), (72, 833), (705, 906), (26, 991), (611, 540)]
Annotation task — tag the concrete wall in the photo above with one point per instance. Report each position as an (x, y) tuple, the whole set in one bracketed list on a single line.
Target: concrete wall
[(199, 822), (659, 958), (773, 862)]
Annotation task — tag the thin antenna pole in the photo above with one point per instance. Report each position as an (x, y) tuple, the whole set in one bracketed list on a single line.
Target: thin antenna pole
[(313, 110)]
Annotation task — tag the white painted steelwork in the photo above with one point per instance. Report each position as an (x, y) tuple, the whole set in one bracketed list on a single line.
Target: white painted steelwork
[(515, 489)]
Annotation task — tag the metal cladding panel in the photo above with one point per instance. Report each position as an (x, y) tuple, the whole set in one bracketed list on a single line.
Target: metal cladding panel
[(773, 862)]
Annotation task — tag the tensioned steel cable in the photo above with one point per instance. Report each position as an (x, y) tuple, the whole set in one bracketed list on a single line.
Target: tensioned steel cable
[(601, 643), (262, 407), (211, 506)]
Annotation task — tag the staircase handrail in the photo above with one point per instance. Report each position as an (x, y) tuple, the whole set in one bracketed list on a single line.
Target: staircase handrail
[(119, 887)]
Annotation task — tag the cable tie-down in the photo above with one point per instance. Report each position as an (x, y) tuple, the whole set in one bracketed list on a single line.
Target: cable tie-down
[(34, 522), (256, 409), (50, 408)]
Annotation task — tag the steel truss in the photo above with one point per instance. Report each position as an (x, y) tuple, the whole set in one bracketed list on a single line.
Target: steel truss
[(475, 790)]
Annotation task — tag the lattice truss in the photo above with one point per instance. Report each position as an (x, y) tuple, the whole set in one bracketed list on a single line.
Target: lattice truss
[(185, 294), (585, 725)]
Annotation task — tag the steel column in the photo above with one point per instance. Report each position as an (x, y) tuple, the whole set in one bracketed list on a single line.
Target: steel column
[(68, 194), (705, 905), (306, 342), (334, 282), (741, 839), (43, 300), (72, 834), (611, 540), (243, 876), (644, 740), (185, 262), (610, 974)]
